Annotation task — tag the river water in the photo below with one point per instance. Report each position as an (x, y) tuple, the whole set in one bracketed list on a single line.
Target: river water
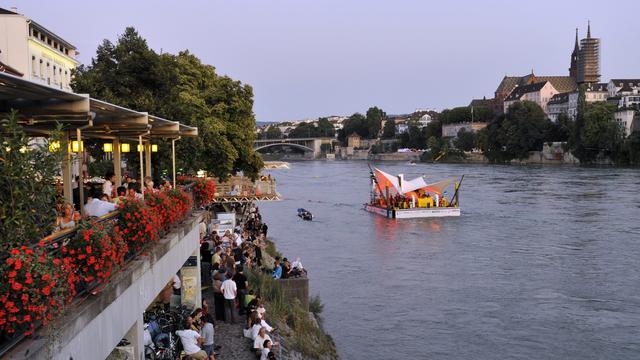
[(544, 262)]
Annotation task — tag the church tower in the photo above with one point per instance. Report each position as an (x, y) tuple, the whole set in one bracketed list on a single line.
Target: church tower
[(589, 59), (573, 70)]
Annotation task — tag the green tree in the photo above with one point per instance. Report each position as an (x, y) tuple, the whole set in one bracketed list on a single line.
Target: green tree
[(465, 140), (180, 87), (522, 129), (356, 123), (632, 148), (273, 132), (600, 134), (375, 116), (325, 128), (389, 130), (28, 198)]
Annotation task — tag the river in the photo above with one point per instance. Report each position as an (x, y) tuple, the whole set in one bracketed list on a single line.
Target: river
[(544, 262)]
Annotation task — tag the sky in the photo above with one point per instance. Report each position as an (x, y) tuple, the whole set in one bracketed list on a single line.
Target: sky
[(307, 58)]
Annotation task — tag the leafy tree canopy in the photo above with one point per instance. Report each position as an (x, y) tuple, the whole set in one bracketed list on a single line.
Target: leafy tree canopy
[(182, 88)]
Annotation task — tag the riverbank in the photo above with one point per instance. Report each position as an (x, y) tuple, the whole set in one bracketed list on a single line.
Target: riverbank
[(289, 309)]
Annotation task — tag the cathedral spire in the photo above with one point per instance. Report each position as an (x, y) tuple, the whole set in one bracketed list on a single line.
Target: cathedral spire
[(588, 29), (576, 47)]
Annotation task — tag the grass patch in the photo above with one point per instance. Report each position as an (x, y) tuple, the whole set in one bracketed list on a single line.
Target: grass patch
[(298, 327)]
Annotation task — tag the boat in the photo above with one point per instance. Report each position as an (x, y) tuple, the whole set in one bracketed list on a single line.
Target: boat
[(305, 215), (396, 198)]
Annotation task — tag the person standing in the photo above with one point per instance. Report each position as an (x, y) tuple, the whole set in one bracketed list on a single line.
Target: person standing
[(229, 291), (242, 285), (208, 333), (107, 186)]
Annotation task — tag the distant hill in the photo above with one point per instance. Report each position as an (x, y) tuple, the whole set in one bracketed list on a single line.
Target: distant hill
[(262, 123)]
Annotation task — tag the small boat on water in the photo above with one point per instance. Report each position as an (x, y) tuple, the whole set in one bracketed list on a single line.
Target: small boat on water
[(304, 214), (396, 198)]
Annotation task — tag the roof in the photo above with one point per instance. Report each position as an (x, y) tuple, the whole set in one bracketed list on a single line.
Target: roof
[(560, 83), (482, 102), (6, 12), (40, 28), (41, 108), (560, 98), (623, 82), (519, 91), (597, 87), (8, 69)]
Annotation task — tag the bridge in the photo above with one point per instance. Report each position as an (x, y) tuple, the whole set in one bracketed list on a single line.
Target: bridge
[(308, 145)]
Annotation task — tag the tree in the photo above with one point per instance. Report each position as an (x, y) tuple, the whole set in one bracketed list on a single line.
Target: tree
[(522, 129), (356, 123), (180, 87), (466, 140), (560, 130), (389, 130), (28, 198), (600, 134), (374, 121), (273, 132), (325, 128)]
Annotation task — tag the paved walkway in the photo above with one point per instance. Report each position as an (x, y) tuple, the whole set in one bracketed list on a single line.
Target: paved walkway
[(234, 345)]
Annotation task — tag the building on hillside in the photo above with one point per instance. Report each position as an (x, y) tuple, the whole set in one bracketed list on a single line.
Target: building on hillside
[(584, 69), (625, 93), (451, 130), (353, 141), (32, 50), (539, 93), (568, 102), (559, 104), (510, 83), (628, 120), (424, 120)]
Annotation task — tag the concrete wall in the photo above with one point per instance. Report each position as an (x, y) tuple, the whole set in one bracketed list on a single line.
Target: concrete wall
[(93, 328), (13, 42)]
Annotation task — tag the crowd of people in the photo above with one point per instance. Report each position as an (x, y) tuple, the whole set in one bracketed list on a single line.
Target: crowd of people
[(101, 200), (234, 301)]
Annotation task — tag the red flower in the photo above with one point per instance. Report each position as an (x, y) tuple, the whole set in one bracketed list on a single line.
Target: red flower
[(16, 286), (46, 290)]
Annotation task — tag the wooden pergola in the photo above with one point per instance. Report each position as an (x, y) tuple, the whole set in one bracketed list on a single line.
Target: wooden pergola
[(41, 108)]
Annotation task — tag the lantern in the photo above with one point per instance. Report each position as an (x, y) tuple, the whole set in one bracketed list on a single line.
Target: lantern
[(77, 146), (154, 148), (125, 148), (107, 147)]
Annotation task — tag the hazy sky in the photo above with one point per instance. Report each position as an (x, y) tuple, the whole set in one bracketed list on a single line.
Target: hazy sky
[(309, 58)]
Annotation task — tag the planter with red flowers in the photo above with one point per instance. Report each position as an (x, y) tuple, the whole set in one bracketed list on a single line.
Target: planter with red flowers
[(34, 291)]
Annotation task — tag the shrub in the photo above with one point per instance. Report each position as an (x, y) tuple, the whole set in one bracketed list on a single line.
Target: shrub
[(28, 197), (37, 286), (204, 191), (137, 224), (96, 251)]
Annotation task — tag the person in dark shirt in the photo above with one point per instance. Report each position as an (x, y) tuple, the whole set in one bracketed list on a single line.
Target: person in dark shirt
[(242, 285), (286, 268)]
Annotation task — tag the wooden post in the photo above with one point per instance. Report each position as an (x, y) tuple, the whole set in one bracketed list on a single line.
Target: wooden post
[(117, 170)]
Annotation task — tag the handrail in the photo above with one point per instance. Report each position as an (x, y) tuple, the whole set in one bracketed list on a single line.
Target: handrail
[(53, 243)]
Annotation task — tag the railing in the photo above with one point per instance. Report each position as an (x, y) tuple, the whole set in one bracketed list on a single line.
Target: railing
[(53, 245)]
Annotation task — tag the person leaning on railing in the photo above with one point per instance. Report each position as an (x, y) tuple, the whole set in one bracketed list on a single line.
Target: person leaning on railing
[(67, 219)]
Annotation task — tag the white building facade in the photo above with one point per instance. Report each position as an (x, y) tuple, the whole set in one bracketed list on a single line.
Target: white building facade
[(39, 54), (539, 93)]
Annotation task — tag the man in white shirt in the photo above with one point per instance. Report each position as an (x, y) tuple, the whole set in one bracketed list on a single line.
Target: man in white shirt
[(229, 290), (191, 342), (97, 207)]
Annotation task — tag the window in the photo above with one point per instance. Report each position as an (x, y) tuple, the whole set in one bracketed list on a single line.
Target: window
[(34, 65)]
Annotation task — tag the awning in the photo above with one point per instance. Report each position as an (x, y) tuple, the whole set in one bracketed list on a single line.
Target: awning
[(41, 107)]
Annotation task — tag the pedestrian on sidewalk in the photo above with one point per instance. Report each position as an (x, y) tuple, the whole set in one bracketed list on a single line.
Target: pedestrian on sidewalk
[(242, 285), (230, 291)]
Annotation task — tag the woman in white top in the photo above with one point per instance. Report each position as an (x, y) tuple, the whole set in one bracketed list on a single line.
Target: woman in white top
[(258, 343)]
